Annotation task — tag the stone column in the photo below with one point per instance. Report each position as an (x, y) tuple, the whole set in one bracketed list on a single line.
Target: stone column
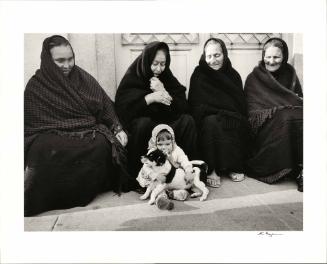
[(85, 52), (106, 64)]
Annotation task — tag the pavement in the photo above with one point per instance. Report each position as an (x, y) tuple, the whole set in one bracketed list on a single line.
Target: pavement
[(249, 205)]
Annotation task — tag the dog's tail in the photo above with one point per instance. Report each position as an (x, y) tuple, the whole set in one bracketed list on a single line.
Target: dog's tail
[(203, 168)]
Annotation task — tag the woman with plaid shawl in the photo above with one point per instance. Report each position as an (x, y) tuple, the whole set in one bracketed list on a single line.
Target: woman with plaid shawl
[(74, 142)]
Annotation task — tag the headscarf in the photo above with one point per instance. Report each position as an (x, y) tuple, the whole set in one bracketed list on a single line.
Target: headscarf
[(135, 85), (266, 92), (213, 91), (278, 74), (55, 102), (156, 131)]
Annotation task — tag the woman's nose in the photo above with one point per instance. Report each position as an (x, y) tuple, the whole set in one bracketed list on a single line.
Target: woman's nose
[(271, 60), (66, 64)]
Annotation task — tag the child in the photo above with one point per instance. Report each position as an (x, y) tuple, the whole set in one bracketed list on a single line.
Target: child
[(163, 138)]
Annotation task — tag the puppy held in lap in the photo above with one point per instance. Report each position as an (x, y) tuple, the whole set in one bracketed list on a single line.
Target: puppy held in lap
[(158, 175)]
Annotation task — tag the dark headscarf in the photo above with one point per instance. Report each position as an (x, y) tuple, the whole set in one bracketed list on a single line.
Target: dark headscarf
[(59, 103), (266, 92), (278, 74), (214, 90), (135, 85)]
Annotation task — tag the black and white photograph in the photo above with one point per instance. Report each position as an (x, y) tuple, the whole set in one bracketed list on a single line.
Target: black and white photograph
[(169, 131), (133, 125)]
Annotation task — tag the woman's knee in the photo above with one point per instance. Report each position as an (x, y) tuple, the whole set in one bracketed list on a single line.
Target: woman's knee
[(142, 123), (209, 120), (187, 121)]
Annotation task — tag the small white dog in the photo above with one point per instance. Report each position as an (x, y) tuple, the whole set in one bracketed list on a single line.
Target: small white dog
[(166, 177)]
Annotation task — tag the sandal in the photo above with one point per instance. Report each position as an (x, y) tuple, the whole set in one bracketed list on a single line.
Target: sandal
[(236, 177), (214, 183)]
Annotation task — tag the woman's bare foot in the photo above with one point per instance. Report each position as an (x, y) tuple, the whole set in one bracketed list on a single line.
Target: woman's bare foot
[(213, 180), (236, 177)]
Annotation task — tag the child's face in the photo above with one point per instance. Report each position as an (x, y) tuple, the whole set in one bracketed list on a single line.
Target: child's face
[(166, 146)]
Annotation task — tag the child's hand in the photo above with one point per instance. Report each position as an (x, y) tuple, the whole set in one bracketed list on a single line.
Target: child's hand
[(188, 177)]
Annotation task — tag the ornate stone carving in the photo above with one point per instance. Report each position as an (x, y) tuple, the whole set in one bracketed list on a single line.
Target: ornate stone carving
[(244, 40), (169, 38)]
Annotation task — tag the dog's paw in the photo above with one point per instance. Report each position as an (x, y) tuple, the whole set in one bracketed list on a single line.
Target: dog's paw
[(196, 194), (204, 195), (203, 198), (143, 197), (151, 202)]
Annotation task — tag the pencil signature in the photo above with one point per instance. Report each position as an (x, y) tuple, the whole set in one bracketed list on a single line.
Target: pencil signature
[(265, 233)]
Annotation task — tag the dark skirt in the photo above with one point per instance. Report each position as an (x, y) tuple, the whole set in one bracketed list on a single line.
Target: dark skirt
[(140, 132), (66, 171), (278, 147), (223, 142)]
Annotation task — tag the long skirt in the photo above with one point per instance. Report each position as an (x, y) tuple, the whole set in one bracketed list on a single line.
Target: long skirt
[(278, 147), (140, 133), (64, 171), (223, 143)]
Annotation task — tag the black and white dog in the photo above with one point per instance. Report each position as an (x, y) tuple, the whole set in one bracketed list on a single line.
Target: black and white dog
[(167, 177)]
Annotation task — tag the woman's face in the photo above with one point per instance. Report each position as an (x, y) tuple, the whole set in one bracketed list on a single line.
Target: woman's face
[(214, 56), (273, 58), (159, 63), (63, 57)]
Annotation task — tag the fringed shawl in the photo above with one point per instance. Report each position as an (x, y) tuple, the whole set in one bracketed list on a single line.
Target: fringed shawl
[(216, 91), (54, 102), (266, 92), (265, 95), (135, 85)]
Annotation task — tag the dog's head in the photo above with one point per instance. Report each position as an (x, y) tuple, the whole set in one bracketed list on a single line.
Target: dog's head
[(155, 157)]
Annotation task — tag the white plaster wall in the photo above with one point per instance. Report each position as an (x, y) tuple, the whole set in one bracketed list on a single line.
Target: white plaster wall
[(96, 54), (32, 52), (93, 52)]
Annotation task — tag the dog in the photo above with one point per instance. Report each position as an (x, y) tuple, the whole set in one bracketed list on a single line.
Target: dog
[(164, 176)]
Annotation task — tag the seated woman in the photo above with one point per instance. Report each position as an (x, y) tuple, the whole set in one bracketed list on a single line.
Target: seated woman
[(274, 98), (218, 106), (148, 95), (74, 142)]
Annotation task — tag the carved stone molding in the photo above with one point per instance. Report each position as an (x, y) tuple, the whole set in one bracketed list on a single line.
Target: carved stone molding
[(169, 38), (244, 40)]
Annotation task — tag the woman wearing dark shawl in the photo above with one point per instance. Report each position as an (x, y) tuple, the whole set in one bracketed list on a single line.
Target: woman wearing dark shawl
[(149, 94), (73, 138), (218, 106), (275, 106)]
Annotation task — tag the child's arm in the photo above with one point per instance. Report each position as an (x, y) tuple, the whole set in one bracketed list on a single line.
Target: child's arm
[(184, 162), (157, 177)]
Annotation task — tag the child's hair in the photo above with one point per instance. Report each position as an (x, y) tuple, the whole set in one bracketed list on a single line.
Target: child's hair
[(164, 135)]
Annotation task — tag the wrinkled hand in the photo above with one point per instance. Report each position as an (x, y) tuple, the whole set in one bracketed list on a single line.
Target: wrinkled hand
[(122, 137), (156, 85), (161, 97)]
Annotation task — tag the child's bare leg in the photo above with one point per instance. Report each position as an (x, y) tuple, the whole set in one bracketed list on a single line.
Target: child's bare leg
[(147, 192), (159, 188)]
